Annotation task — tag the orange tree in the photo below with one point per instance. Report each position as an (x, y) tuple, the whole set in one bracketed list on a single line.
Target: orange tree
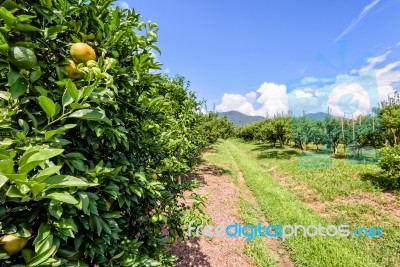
[(92, 148)]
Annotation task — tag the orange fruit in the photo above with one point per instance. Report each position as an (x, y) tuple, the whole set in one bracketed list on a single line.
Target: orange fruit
[(72, 70), (82, 53)]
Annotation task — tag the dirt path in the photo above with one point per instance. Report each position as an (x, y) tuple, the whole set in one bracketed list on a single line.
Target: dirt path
[(222, 208)]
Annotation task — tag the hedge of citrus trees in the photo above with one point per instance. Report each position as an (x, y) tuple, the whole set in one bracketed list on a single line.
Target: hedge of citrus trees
[(93, 143)]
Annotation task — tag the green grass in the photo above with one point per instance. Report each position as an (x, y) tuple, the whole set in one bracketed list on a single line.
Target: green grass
[(280, 205), (339, 178), (329, 177)]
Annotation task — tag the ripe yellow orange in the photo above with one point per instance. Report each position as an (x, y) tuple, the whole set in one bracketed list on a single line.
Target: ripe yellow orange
[(82, 53), (72, 70), (13, 244)]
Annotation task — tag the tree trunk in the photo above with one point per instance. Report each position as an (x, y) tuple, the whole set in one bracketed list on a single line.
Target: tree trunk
[(334, 147), (282, 143)]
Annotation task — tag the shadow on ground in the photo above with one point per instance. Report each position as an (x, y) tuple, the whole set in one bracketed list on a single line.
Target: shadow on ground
[(262, 147), (278, 154), (197, 174), (378, 180), (189, 254)]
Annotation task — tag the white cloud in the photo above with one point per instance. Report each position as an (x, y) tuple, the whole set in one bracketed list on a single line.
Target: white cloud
[(302, 93), (357, 20), (273, 98), (386, 77), (236, 102), (124, 5), (251, 97), (373, 61)]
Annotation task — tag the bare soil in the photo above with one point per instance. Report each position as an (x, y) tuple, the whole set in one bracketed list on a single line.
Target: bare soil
[(223, 209)]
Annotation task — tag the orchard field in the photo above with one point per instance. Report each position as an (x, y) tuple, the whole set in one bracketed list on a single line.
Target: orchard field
[(105, 160)]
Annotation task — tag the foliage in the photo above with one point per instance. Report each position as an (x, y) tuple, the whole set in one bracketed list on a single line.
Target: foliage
[(390, 164), (390, 114), (90, 168), (330, 131), (271, 130), (215, 127)]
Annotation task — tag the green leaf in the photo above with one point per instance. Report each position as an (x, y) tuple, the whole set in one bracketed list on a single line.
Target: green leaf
[(21, 177), (61, 181), (52, 32), (106, 227), (78, 164), (6, 166), (26, 28), (90, 114), (35, 75), (47, 105), (60, 130), (42, 257), (43, 233), (84, 201), (13, 76), (55, 209), (27, 254), (36, 189), (4, 95), (24, 125), (14, 192), (73, 92), (28, 153), (46, 173), (35, 158), (87, 90), (99, 227), (63, 197), (7, 16), (10, 5), (45, 154), (119, 255), (22, 18), (18, 88), (29, 166), (67, 98), (41, 90), (75, 155), (79, 106), (3, 180)]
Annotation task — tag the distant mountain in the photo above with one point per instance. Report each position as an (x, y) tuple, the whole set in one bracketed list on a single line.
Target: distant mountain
[(317, 116), (239, 118)]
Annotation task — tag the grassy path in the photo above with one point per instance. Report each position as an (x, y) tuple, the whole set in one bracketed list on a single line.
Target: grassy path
[(343, 193), (280, 205)]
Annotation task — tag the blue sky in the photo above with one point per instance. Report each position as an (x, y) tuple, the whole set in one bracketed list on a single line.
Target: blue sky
[(244, 55)]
